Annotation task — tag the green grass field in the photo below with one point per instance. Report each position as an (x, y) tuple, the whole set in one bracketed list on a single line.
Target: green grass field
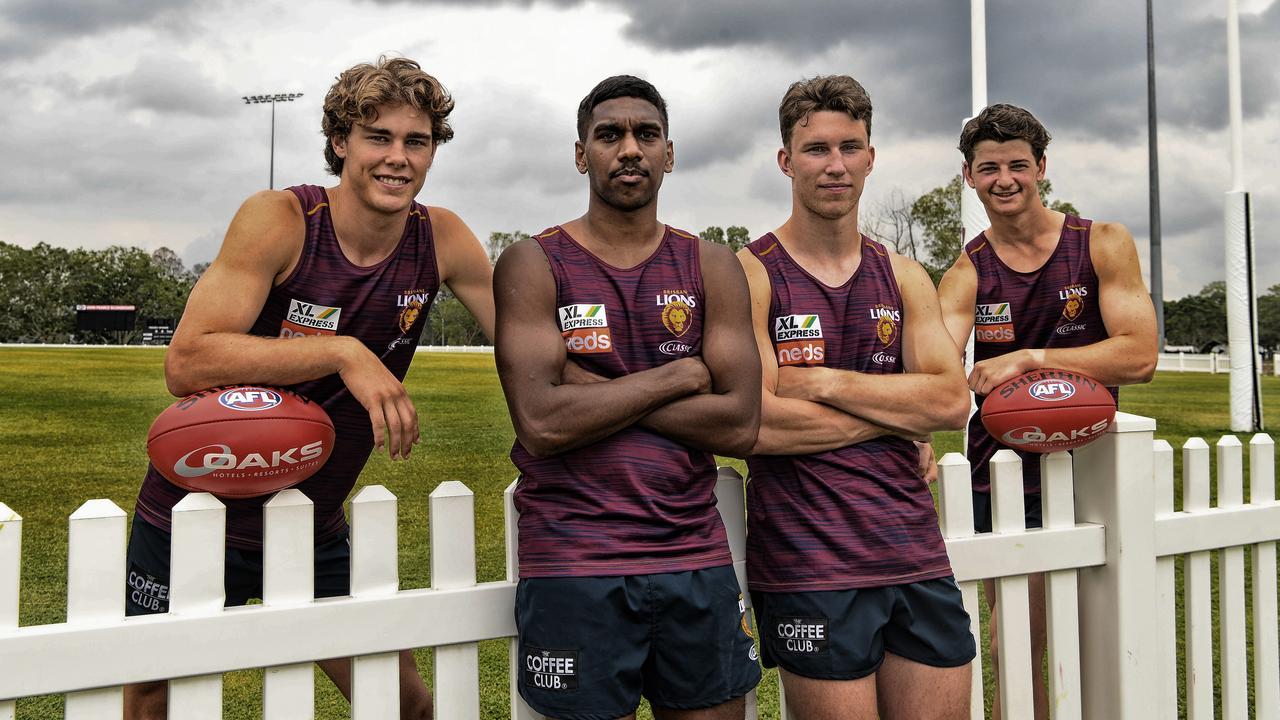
[(73, 425)]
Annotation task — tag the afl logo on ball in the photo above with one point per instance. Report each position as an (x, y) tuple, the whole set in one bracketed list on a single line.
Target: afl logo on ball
[(1051, 390), (249, 399)]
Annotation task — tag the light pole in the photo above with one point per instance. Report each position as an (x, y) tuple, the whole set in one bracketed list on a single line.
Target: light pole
[(273, 99)]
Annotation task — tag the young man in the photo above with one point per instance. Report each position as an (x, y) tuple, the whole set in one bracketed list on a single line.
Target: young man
[(1041, 289), (848, 571), (621, 346), (325, 291)]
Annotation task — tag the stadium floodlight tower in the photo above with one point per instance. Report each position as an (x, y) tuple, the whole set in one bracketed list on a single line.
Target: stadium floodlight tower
[(1242, 305), (273, 99)]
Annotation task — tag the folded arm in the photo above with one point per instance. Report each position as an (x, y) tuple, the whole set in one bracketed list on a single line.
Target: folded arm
[(551, 416), (930, 395), (792, 426)]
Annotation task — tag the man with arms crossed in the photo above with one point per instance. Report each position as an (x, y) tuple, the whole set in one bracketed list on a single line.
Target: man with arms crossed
[(326, 291), (1040, 289), (849, 576), (624, 347)]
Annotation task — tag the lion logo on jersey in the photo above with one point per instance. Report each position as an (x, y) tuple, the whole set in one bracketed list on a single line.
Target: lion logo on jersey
[(886, 319), (1074, 306), (409, 315)]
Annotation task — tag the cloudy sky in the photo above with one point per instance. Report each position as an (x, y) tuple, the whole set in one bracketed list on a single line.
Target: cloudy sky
[(125, 123)]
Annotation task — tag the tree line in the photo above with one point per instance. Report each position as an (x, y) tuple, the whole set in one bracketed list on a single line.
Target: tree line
[(40, 286)]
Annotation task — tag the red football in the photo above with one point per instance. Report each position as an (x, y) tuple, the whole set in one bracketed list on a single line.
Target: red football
[(240, 441), (1048, 410)]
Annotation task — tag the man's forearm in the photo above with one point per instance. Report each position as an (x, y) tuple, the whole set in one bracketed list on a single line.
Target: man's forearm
[(725, 424), (225, 358), (790, 426), (913, 403)]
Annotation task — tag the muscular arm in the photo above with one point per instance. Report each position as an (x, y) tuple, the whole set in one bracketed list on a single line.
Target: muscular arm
[(1128, 356), (957, 296), (211, 346), (725, 420), (792, 426), (929, 396), (551, 417), (464, 266)]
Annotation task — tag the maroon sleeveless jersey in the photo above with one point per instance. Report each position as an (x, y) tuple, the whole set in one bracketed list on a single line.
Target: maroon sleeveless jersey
[(861, 515), (634, 503), (384, 306), (1055, 306)]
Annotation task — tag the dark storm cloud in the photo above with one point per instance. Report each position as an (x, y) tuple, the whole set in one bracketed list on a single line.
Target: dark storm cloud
[(37, 26), (167, 85)]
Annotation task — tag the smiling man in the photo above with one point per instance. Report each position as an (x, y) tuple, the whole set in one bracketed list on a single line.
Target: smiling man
[(850, 579), (325, 291), (624, 348), (1038, 289)]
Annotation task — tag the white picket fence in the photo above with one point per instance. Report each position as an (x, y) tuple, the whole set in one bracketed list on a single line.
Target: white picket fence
[(1194, 362), (1108, 557)]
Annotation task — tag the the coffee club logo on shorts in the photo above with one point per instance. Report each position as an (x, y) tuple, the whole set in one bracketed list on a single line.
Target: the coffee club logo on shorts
[(553, 670), (801, 636), (677, 310), (305, 318), (585, 328)]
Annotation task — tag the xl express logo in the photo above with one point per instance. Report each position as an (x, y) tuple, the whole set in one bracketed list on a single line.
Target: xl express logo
[(798, 340), (306, 318), (585, 328), (993, 322)]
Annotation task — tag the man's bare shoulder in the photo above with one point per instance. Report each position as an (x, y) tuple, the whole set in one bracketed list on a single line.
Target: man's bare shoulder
[(1111, 244)]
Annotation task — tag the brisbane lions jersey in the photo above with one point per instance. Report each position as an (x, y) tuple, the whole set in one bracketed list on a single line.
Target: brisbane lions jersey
[(1055, 306), (383, 305), (634, 503), (860, 515)]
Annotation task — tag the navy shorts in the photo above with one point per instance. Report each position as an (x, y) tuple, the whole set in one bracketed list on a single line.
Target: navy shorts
[(147, 585), (844, 634), (590, 646), (982, 511)]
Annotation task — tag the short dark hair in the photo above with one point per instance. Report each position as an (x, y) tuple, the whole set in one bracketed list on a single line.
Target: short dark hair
[(619, 86), (1003, 122), (358, 91), (835, 93)]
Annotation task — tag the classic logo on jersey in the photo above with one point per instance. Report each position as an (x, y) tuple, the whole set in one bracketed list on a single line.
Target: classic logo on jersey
[(1051, 390), (798, 339), (802, 636), (675, 348), (884, 358), (1073, 299), (887, 319), (249, 399), (993, 322), (554, 670), (411, 303), (1069, 328), (677, 310), (585, 328), (306, 318)]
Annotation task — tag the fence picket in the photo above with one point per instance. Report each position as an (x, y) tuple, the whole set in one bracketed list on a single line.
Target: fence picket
[(1013, 616), (520, 710), (955, 514), (1166, 589), (1198, 622), (1231, 620), (453, 565), (10, 578), (1266, 639), (375, 679), (288, 578), (95, 583), (1062, 603), (196, 588)]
